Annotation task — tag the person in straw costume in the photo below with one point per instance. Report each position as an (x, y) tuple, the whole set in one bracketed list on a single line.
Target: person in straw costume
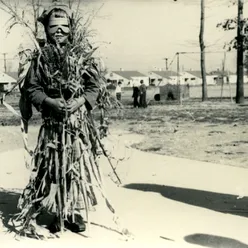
[(63, 84)]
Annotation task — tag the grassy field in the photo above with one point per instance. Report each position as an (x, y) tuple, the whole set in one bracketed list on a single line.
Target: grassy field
[(214, 91), (212, 131), (195, 92)]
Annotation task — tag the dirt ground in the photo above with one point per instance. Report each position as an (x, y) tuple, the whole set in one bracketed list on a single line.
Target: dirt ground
[(196, 212), (212, 132)]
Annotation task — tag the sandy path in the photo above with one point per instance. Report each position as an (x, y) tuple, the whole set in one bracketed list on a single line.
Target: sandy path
[(164, 201)]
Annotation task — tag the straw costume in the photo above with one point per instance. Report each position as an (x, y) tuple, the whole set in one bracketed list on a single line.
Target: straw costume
[(64, 84)]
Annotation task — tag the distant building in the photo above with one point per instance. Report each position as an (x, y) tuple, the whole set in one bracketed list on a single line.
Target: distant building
[(128, 78), (160, 78), (194, 77), (190, 78), (6, 82), (228, 76), (13, 74)]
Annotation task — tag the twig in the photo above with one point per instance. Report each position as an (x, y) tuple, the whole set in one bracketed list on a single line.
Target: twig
[(106, 227), (57, 174), (109, 160), (84, 191), (20, 20)]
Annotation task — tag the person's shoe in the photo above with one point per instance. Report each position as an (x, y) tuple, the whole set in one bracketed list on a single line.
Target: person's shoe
[(77, 226), (55, 226)]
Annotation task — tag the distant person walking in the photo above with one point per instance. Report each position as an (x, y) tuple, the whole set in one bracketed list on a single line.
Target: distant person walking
[(142, 99), (118, 91), (136, 93)]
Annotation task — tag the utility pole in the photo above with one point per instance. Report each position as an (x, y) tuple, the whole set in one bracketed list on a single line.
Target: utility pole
[(166, 64), (178, 79), (240, 54), (223, 75), (230, 89)]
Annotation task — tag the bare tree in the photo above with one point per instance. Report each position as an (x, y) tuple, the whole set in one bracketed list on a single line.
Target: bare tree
[(202, 47), (240, 54), (240, 42), (35, 7)]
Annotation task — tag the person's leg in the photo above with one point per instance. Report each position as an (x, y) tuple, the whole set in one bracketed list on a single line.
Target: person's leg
[(118, 96), (145, 103), (76, 224), (141, 101), (73, 222), (136, 103)]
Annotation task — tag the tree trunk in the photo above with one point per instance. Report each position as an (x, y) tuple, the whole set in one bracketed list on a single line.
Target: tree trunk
[(202, 47), (240, 55)]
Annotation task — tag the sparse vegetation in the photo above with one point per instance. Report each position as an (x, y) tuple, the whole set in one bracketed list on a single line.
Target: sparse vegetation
[(210, 131)]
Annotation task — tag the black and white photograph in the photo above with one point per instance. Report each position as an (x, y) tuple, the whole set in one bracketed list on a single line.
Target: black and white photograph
[(124, 123)]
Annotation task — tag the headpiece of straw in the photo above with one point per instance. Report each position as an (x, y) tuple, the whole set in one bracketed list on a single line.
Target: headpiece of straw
[(56, 5)]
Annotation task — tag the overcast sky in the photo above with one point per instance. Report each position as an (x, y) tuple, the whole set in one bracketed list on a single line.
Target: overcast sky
[(138, 34)]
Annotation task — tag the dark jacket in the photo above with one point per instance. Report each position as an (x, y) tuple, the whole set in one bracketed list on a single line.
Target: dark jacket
[(38, 88), (136, 92)]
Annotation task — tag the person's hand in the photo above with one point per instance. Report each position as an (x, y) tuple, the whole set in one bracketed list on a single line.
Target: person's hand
[(75, 104), (73, 86), (57, 104)]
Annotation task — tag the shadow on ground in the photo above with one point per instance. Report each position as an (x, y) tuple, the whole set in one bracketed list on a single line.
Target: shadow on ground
[(213, 241), (8, 206), (224, 203), (8, 210)]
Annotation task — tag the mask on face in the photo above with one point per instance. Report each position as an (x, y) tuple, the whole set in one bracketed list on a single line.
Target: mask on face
[(58, 28), (56, 23)]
